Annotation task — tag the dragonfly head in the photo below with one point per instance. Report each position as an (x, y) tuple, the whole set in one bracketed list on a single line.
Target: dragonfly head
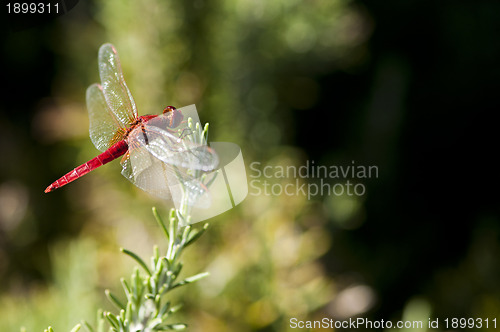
[(174, 115)]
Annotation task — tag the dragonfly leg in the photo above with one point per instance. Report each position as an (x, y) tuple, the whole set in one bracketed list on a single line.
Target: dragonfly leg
[(185, 132), (146, 139)]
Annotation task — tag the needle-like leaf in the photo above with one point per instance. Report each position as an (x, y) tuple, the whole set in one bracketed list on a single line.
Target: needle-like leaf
[(191, 279), (160, 222), (113, 299), (195, 235), (175, 327), (137, 259), (112, 320)]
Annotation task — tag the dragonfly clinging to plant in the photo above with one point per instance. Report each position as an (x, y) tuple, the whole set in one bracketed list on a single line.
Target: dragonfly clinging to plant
[(155, 148)]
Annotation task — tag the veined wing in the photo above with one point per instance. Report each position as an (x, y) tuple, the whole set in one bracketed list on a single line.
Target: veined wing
[(167, 164), (146, 172), (175, 150), (105, 128), (117, 95), (174, 147), (163, 180)]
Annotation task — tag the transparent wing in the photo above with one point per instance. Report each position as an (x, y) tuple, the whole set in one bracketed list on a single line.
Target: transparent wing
[(116, 92), (104, 127), (177, 147), (163, 180), (146, 172), (169, 164)]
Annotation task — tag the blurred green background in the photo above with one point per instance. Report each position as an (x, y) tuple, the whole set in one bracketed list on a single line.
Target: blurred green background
[(408, 86)]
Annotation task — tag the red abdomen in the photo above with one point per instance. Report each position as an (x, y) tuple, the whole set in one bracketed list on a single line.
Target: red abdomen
[(110, 154)]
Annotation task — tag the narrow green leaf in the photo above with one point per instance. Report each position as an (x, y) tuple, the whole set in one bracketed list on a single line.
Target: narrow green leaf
[(191, 279), (156, 254), (129, 312), (101, 321), (171, 214), (185, 234), (153, 264), (138, 287), (164, 309), (196, 235), (113, 321), (113, 299), (154, 323), (166, 262), (76, 328), (176, 308), (153, 284), (163, 289), (87, 326), (157, 303), (122, 315), (160, 222), (126, 287), (205, 132), (172, 224), (137, 259), (161, 266), (135, 284), (175, 327), (177, 270), (197, 277)]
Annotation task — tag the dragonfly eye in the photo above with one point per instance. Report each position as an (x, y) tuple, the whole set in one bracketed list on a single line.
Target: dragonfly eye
[(169, 109), (175, 116)]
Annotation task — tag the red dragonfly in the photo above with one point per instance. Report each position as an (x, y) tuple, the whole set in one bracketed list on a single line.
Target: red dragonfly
[(157, 150)]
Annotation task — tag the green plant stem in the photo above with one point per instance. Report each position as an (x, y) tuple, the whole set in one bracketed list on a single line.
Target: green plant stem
[(146, 308)]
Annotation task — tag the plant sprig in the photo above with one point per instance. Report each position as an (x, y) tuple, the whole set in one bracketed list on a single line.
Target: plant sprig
[(146, 308)]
